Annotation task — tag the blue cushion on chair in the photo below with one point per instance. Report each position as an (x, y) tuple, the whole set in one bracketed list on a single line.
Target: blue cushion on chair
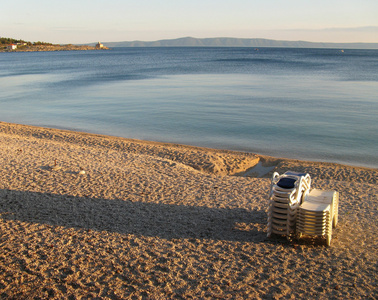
[(286, 183), (295, 173)]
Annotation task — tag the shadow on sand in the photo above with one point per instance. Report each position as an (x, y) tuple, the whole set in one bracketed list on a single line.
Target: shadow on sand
[(139, 218)]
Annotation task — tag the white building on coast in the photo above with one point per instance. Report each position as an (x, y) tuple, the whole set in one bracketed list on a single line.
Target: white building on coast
[(11, 47)]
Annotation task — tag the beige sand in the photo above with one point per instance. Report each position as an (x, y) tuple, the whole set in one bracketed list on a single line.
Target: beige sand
[(158, 221)]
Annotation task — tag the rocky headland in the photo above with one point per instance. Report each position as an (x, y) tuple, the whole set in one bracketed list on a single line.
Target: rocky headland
[(51, 47)]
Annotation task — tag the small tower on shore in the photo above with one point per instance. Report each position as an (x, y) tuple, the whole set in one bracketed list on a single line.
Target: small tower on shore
[(99, 46)]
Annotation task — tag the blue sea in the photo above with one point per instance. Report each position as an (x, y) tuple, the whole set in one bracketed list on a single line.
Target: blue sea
[(312, 104)]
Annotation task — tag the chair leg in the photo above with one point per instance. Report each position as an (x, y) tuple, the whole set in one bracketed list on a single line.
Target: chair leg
[(328, 239)]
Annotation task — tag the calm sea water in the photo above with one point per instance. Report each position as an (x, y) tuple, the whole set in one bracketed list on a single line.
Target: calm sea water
[(315, 104)]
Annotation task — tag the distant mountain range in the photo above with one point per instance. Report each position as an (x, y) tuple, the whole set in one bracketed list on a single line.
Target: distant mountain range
[(238, 42)]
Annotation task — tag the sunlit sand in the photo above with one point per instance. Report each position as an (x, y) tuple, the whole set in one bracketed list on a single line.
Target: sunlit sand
[(85, 215)]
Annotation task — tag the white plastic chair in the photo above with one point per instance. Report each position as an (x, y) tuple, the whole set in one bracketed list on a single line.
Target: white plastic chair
[(286, 194), (318, 214)]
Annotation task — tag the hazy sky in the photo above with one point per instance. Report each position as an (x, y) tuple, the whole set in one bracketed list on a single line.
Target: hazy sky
[(83, 21)]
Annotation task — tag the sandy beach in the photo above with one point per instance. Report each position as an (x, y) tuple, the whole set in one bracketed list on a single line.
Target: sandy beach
[(87, 216)]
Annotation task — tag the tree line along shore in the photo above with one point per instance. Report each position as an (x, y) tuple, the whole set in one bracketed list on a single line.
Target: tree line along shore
[(13, 45)]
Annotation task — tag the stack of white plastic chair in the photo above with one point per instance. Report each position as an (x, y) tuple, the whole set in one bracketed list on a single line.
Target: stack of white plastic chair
[(318, 214), (286, 194)]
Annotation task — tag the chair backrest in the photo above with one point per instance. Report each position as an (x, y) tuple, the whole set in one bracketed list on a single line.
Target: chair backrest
[(290, 180)]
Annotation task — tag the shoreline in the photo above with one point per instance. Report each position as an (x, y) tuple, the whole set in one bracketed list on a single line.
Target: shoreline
[(51, 48), (248, 159), (86, 215)]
